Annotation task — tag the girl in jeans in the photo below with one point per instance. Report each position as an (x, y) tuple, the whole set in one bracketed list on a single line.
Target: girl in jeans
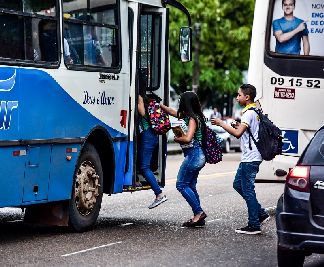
[(149, 140), (191, 143)]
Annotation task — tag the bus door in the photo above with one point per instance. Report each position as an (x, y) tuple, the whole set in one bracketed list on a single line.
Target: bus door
[(152, 67), (36, 178)]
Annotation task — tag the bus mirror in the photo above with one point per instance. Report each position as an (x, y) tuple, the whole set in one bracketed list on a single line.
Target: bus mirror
[(185, 40)]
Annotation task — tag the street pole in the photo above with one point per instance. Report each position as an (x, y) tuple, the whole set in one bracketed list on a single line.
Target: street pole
[(196, 66)]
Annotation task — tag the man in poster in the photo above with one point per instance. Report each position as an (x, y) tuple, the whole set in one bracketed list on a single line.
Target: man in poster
[(289, 31)]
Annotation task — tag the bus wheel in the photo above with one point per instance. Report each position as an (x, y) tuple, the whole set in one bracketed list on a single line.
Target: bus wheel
[(87, 190)]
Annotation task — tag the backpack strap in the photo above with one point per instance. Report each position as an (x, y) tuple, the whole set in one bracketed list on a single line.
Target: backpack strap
[(251, 136), (249, 130)]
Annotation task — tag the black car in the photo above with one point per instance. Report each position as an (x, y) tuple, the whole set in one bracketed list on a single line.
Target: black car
[(300, 210)]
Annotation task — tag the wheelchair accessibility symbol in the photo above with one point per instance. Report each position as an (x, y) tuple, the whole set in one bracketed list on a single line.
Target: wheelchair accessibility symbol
[(290, 141)]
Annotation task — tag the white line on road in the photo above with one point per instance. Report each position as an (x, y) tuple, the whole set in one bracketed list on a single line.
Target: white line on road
[(14, 221), (126, 224), (210, 221), (89, 249)]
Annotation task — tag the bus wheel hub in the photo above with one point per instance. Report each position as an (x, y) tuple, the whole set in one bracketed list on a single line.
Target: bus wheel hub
[(86, 188)]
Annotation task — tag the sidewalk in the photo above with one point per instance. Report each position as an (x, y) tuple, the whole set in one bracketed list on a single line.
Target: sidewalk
[(173, 149)]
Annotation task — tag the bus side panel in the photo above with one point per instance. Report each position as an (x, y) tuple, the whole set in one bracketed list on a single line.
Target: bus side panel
[(62, 170), (120, 161), (12, 176), (36, 173), (128, 180)]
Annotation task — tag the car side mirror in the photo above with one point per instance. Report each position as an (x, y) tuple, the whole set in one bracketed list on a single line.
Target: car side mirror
[(185, 41)]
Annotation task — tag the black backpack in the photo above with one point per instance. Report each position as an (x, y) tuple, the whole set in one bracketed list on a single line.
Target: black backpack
[(270, 139)]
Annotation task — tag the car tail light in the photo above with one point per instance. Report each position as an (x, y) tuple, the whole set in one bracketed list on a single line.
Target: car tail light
[(298, 178)]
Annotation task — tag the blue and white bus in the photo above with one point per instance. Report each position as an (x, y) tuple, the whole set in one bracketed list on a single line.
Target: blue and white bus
[(69, 75)]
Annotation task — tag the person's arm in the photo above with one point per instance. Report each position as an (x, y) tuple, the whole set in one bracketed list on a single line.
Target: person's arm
[(237, 131), (67, 52), (170, 111), (283, 37), (306, 46), (186, 138), (140, 106)]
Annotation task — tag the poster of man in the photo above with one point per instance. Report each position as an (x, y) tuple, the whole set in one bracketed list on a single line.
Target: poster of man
[(290, 31), (298, 27)]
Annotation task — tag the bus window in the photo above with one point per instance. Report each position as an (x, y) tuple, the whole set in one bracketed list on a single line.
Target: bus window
[(15, 5), (104, 16), (48, 40), (297, 28), (150, 49), (11, 36), (26, 37), (45, 7), (91, 33)]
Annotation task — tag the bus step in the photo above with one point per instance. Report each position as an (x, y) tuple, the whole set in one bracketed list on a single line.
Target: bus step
[(136, 188)]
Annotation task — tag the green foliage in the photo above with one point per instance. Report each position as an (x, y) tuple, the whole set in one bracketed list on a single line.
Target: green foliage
[(224, 46)]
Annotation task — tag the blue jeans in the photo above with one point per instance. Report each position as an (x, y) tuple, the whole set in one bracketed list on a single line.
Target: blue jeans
[(188, 174), (244, 185), (149, 140)]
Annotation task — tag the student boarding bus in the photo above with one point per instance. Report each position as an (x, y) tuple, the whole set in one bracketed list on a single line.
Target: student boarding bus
[(69, 75), (287, 68)]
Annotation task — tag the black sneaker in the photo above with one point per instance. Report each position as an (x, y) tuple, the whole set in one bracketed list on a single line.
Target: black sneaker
[(264, 218), (249, 230)]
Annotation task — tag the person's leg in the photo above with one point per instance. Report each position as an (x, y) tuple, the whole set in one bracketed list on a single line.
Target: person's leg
[(148, 143), (187, 178), (193, 185), (237, 184), (250, 170)]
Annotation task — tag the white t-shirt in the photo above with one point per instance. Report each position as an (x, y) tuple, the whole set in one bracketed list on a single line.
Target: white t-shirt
[(251, 120)]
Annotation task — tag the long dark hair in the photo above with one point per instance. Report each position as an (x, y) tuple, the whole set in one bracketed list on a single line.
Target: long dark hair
[(189, 106)]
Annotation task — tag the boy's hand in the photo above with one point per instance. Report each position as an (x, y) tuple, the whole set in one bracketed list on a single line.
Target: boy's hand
[(216, 121)]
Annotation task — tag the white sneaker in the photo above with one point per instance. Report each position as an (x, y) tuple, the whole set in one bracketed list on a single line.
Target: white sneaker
[(158, 201)]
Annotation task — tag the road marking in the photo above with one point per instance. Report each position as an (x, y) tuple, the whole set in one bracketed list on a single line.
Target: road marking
[(14, 221), (89, 249), (204, 176), (126, 224), (213, 220)]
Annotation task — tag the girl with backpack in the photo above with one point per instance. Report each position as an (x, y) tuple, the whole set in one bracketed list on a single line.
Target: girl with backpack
[(191, 143), (149, 140)]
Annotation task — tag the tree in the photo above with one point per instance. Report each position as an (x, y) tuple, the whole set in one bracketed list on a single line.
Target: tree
[(224, 46)]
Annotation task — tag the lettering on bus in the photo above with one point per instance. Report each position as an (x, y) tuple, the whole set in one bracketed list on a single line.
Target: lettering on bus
[(6, 108), (108, 76), (296, 82), (101, 99), (284, 93)]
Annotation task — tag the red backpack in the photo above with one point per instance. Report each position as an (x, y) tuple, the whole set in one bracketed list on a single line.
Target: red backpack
[(158, 118)]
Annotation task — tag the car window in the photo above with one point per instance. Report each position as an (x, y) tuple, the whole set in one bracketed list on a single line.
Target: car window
[(314, 155)]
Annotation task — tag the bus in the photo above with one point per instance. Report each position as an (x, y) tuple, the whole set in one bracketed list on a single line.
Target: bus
[(69, 77), (288, 75)]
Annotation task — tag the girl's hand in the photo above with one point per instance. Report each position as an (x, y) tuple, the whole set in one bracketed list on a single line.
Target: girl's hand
[(176, 139)]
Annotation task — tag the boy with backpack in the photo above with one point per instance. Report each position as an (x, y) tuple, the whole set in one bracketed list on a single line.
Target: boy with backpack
[(250, 159)]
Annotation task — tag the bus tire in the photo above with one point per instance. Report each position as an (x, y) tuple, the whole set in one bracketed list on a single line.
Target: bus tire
[(87, 190)]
